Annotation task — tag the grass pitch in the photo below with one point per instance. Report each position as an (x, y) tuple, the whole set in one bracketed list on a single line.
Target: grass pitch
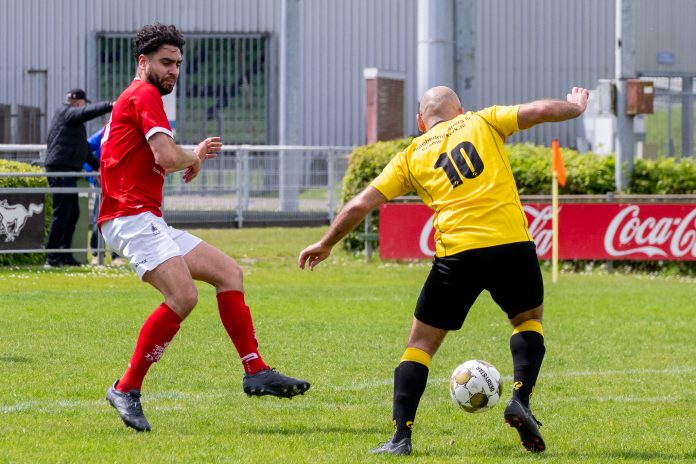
[(616, 386)]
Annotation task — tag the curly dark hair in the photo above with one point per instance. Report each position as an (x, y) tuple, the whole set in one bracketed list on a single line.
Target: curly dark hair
[(152, 36)]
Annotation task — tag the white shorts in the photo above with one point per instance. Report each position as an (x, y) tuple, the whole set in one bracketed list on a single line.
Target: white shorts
[(146, 240)]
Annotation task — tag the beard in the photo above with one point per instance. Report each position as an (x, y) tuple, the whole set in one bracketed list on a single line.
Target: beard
[(163, 85)]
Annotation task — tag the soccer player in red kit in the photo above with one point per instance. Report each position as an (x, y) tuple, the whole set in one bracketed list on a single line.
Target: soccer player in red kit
[(137, 152)]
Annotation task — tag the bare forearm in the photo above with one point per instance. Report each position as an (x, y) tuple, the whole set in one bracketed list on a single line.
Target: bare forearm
[(347, 220), (537, 112), (169, 155), (183, 160), (558, 110), (351, 215)]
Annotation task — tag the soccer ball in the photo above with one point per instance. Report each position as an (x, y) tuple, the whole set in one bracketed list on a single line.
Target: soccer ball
[(475, 386)]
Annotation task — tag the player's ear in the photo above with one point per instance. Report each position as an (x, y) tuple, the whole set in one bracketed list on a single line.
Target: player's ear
[(421, 123), (142, 61)]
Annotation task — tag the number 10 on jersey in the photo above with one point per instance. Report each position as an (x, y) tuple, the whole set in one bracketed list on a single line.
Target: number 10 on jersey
[(467, 160)]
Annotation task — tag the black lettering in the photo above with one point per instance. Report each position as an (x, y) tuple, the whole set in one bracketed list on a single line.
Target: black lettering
[(445, 163), (469, 167)]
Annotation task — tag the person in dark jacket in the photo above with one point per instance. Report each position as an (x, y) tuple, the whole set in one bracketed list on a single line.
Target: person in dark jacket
[(94, 142), (67, 151)]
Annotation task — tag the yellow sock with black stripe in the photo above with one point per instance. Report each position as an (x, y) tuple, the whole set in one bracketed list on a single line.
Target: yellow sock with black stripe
[(410, 379), (527, 347)]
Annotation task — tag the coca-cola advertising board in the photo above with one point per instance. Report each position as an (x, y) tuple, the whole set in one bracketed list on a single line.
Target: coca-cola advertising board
[(601, 231)]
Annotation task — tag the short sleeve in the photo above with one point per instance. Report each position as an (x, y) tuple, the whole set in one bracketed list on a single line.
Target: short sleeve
[(394, 180), (149, 108), (503, 118)]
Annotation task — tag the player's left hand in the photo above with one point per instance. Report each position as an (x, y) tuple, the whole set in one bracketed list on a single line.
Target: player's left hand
[(208, 148), (578, 96), (313, 254)]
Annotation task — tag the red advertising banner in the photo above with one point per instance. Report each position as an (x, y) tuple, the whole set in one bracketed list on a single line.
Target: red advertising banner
[(602, 231)]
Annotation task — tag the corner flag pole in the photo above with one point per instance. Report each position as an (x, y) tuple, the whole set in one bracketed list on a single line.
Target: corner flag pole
[(557, 170), (554, 225)]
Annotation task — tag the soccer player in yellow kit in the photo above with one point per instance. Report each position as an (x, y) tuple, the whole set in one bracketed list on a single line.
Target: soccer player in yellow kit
[(459, 168)]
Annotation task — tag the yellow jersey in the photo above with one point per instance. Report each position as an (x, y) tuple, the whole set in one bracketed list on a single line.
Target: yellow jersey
[(460, 170)]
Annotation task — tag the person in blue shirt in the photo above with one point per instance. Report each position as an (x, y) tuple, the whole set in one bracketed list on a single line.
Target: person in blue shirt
[(94, 142)]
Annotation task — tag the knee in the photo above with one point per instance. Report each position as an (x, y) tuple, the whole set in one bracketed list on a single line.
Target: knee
[(190, 297), (236, 273), (186, 299), (532, 314), (231, 276), (536, 313)]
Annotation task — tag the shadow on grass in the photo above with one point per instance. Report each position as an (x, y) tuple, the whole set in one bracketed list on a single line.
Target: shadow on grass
[(507, 452), (636, 454), (481, 450), (307, 430), (15, 359)]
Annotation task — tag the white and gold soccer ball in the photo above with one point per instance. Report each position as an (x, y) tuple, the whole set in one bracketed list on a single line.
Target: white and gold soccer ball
[(475, 386)]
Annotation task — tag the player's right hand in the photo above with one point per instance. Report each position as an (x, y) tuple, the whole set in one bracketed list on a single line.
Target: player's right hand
[(192, 171), (313, 254)]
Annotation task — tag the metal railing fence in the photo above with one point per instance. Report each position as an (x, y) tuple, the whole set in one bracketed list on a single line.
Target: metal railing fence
[(245, 185)]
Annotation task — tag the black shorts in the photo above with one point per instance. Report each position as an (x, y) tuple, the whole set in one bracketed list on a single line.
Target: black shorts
[(509, 272)]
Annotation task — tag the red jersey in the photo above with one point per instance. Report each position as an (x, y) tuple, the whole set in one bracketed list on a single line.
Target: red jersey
[(131, 179)]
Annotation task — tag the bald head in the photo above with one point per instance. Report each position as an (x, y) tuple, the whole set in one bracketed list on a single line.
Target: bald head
[(438, 104)]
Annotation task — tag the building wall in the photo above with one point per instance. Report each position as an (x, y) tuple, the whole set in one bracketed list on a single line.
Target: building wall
[(534, 49), (339, 39), (668, 30), (524, 50)]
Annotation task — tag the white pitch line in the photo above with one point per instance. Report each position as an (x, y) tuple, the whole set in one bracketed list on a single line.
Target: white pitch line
[(674, 370), (157, 397), (381, 383), (621, 399), (47, 405)]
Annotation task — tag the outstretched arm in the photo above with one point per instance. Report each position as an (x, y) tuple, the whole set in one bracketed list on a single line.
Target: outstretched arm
[(173, 158), (75, 115), (349, 217), (537, 112)]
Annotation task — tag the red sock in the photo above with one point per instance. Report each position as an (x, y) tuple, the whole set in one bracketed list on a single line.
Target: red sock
[(157, 331), (236, 318)]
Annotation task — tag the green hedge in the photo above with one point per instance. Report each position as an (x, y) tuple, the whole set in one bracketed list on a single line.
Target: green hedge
[(366, 162), (587, 173), (663, 176), (5, 182)]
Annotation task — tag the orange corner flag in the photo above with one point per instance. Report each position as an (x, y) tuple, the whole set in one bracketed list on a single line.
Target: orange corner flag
[(557, 165)]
